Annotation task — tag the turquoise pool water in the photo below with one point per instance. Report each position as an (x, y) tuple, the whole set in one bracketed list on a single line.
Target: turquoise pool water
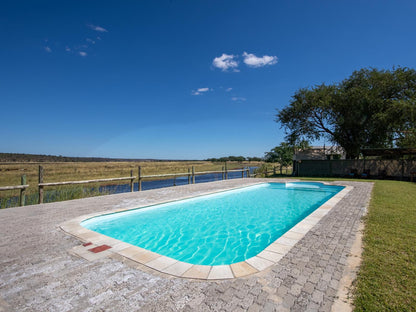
[(221, 228)]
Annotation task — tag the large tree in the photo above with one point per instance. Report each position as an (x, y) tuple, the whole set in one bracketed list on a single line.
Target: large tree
[(372, 108)]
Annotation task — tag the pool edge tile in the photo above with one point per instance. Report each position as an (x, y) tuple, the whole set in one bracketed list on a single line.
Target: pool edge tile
[(178, 268), (259, 264), (161, 263), (197, 272), (278, 248), (270, 255), (220, 272), (144, 256), (242, 268), (286, 241), (294, 235)]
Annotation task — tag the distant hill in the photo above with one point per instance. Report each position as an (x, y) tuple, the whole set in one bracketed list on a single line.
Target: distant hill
[(14, 157)]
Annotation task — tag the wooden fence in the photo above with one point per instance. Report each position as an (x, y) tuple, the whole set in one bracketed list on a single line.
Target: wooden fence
[(22, 187), (267, 171), (191, 174)]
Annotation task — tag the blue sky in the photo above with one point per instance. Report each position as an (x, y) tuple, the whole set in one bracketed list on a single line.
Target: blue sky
[(179, 79)]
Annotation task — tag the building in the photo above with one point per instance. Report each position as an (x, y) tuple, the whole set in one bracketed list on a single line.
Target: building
[(320, 153)]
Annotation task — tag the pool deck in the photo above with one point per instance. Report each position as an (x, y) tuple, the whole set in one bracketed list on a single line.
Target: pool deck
[(40, 269)]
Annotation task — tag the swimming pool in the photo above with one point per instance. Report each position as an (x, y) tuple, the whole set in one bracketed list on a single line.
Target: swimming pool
[(218, 229)]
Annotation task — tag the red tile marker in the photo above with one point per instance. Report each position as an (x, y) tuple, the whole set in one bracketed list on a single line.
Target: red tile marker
[(87, 244), (99, 248)]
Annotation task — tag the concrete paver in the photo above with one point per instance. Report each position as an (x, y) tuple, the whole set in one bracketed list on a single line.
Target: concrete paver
[(37, 273)]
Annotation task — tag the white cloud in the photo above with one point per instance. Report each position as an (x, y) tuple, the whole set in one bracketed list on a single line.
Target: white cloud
[(200, 91), (238, 99), (203, 89), (225, 62), (67, 49), (48, 49), (228, 89), (90, 41), (253, 61), (82, 53), (97, 28)]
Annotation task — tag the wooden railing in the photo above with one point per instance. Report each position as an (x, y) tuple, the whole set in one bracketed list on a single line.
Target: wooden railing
[(266, 172), (41, 184), (191, 180), (191, 174), (22, 187)]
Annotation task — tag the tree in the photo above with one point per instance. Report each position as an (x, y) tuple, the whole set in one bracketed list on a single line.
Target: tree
[(283, 154), (254, 159), (371, 108), (407, 139), (236, 158)]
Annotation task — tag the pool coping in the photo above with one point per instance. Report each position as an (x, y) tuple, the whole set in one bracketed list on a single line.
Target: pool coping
[(96, 245)]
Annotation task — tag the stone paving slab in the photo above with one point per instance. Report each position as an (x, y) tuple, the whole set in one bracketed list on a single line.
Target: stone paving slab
[(37, 273)]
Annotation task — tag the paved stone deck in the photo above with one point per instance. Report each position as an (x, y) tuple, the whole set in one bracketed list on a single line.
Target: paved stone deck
[(37, 273)]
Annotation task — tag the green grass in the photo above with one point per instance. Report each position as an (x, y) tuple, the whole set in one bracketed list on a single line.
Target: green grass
[(387, 277), (386, 280)]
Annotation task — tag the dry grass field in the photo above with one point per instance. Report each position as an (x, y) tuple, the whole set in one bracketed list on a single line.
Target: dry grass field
[(10, 173)]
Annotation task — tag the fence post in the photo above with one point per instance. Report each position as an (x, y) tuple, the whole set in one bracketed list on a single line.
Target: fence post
[(23, 191), (242, 173), (248, 172), (226, 171), (222, 172), (40, 186), (174, 180), (131, 181), (274, 170), (189, 175), (193, 175), (140, 178)]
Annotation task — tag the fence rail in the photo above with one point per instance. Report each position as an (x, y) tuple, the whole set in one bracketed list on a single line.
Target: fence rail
[(190, 174), (13, 187), (267, 171), (22, 187), (85, 181), (41, 184)]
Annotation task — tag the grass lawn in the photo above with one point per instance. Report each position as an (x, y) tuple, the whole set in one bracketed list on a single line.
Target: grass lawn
[(387, 277)]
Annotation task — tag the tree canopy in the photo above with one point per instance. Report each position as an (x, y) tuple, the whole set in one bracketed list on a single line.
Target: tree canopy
[(283, 154), (234, 158), (371, 108)]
